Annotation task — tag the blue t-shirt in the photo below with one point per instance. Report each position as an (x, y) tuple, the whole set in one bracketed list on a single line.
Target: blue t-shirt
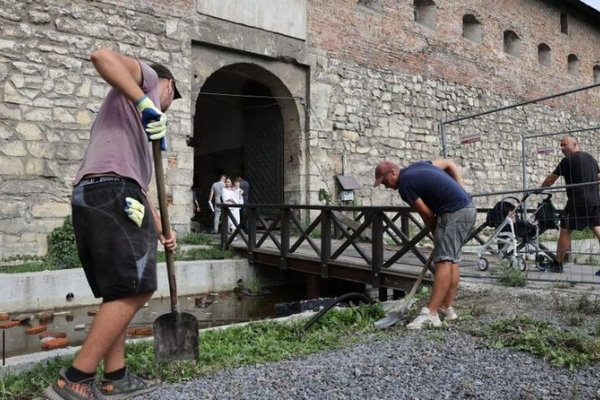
[(435, 187)]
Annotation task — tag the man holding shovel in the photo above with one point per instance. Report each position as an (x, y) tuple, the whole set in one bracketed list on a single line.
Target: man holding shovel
[(436, 191), (116, 226)]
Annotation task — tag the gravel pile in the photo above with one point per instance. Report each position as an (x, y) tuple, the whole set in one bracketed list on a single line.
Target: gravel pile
[(441, 364)]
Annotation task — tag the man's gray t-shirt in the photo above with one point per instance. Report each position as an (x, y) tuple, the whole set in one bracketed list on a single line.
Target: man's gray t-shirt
[(217, 188), (118, 144)]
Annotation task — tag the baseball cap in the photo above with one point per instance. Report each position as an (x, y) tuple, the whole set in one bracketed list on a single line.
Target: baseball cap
[(163, 72), (381, 169)]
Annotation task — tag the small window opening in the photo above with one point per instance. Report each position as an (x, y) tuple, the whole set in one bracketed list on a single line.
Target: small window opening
[(573, 65), (425, 11), (471, 28), (512, 43), (564, 23), (596, 73), (544, 54)]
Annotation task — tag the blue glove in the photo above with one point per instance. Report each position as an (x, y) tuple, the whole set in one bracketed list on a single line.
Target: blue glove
[(153, 121), (134, 210)]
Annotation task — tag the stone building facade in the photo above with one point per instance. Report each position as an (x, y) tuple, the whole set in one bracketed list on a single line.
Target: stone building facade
[(281, 92)]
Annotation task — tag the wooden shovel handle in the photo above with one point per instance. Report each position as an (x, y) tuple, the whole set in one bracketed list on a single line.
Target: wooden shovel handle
[(164, 220)]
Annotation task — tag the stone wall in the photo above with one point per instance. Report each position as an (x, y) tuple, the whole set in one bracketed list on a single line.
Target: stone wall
[(379, 84), (50, 93)]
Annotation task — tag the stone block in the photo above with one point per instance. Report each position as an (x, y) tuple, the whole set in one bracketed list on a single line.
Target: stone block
[(9, 324), (11, 165), (53, 335), (51, 210), (57, 343), (36, 329)]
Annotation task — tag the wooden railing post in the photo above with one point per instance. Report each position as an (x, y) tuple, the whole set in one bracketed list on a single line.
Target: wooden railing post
[(325, 242), (285, 236), (377, 241), (251, 224)]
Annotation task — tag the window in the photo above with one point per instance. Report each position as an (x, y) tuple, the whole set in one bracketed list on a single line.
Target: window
[(425, 13), (512, 43), (564, 23), (471, 28), (544, 54), (573, 65), (374, 5), (596, 73)]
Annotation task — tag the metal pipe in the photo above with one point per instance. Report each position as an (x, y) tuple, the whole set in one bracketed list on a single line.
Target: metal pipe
[(522, 104), (443, 129)]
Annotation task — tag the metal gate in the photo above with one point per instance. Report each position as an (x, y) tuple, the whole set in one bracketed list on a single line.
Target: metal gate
[(263, 153)]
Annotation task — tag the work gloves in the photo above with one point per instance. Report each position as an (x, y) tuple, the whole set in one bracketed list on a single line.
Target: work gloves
[(135, 210), (153, 121)]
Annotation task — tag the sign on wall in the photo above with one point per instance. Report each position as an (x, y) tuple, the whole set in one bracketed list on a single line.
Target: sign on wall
[(287, 17), (468, 139)]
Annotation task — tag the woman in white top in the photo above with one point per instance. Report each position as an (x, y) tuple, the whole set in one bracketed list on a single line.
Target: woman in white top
[(232, 195)]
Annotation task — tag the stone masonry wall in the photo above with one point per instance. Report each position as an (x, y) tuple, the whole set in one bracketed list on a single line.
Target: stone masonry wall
[(50, 93), (380, 84)]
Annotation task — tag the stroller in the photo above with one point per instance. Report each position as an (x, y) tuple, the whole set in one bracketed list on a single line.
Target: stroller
[(514, 236)]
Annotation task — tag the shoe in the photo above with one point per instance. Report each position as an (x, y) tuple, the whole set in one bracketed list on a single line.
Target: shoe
[(63, 389), (598, 273), (448, 314), (556, 266), (129, 386), (425, 319)]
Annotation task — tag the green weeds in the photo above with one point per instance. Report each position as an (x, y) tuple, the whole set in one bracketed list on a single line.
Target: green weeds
[(566, 349), (512, 277), (221, 349)]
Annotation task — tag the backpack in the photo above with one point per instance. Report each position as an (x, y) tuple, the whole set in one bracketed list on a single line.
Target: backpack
[(546, 216), (497, 214)]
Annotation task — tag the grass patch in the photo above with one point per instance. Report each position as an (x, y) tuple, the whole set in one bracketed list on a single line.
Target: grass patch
[(195, 238), (221, 349), (566, 349), (512, 277)]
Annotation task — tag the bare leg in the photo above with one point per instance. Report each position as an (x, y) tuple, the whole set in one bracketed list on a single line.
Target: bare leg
[(441, 285), (454, 278), (564, 242), (107, 334)]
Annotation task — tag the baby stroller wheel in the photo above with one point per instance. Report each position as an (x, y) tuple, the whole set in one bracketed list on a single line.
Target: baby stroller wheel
[(519, 263), (482, 264), (543, 262)]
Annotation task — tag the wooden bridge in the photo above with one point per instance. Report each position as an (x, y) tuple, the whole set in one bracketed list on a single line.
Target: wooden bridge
[(379, 246)]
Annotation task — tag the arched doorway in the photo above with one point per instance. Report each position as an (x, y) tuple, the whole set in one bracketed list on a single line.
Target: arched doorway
[(239, 130)]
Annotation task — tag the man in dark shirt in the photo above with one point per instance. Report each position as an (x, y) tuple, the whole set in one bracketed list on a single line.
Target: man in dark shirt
[(582, 209), (436, 191)]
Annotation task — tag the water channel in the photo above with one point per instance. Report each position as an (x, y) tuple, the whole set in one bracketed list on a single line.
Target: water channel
[(213, 309)]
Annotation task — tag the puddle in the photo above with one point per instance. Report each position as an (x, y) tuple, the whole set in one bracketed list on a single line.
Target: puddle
[(224, 308)]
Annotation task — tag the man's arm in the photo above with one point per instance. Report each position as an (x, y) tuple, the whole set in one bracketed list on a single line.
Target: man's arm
[(121, 72), (425, 213), (211, 194), (550, 179), (449, 167)]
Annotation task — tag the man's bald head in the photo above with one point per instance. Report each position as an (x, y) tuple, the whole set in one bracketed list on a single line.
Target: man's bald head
[(569, 145)]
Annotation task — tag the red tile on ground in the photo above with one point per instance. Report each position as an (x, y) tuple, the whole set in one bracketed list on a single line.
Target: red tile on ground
[(36, 329), (58, 343), (46, 316), (4, 316), (52, 335), (9, 324)]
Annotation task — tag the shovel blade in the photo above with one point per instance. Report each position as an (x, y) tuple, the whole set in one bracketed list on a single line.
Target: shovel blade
[(176, 337), (388, 320)]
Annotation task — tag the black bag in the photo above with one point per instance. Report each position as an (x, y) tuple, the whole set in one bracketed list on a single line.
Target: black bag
[(546, 216), (497, 214)]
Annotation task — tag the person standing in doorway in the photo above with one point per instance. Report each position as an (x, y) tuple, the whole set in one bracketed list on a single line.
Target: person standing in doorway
[(436, 191), (216, 193), (116, 238), (582, 208), (245, 186)]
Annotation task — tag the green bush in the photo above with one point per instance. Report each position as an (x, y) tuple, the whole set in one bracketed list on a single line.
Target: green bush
[(62, 250)]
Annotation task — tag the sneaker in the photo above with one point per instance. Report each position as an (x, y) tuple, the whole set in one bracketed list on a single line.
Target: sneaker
[(425, 318), (449, 314), (556, 266), (63, 389), (128, 386), (598, 273)]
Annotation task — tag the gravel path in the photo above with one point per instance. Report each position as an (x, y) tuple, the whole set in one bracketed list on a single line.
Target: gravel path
[(441, 364)]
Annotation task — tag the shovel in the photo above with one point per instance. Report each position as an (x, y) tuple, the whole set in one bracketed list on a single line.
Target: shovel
[(394, 317), (176, 333)]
